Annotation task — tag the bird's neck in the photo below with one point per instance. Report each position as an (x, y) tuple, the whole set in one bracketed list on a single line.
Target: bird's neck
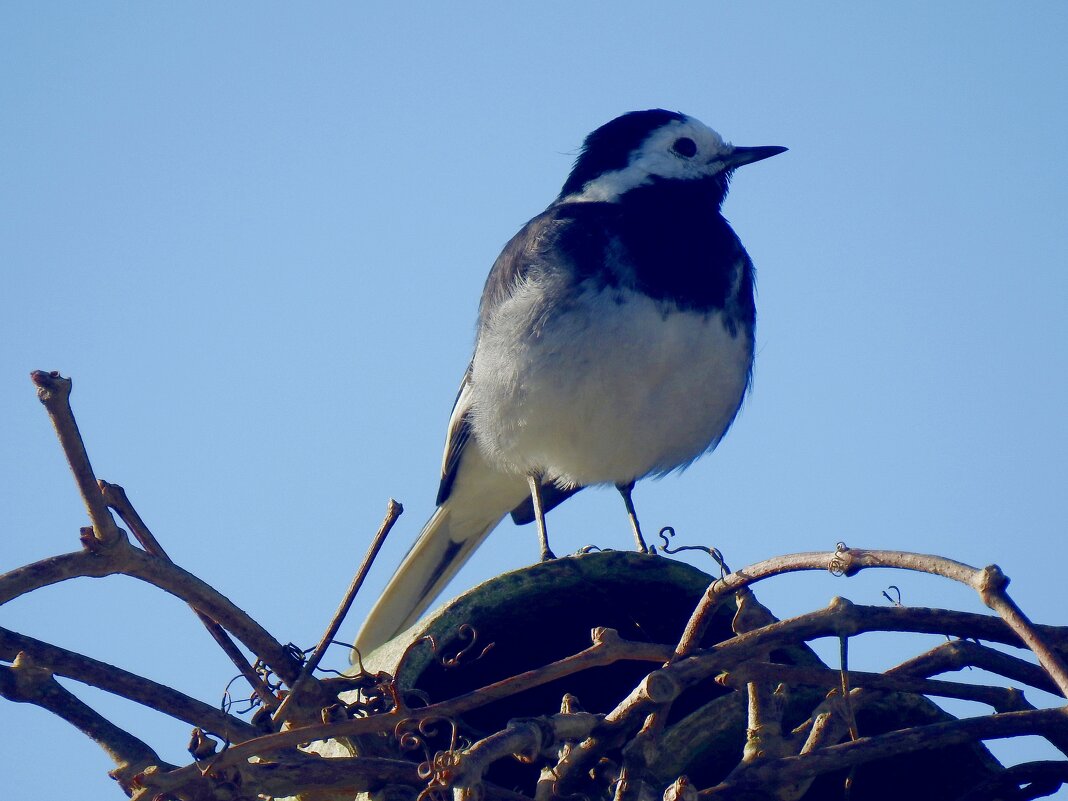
[(683, 250)]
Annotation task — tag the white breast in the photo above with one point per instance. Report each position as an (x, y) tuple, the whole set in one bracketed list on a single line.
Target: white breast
[(609, 388)]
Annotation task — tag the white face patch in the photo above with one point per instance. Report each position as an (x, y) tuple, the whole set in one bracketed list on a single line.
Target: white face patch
[(657, 158)]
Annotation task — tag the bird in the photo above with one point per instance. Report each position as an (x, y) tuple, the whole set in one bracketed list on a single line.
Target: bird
[(614, 341)]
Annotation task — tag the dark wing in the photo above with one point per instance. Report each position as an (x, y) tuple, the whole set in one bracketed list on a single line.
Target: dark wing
[(510, 268), (550, 242), (457, 437), (551, 497), (573, 238)]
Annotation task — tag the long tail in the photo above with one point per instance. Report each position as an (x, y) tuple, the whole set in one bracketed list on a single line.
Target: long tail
[(435, 558), (480, 497)]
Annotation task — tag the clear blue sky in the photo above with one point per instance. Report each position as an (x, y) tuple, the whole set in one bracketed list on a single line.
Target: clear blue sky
[(255, 235)]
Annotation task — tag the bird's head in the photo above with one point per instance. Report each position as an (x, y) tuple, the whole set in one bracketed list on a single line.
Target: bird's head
[(643, 147)]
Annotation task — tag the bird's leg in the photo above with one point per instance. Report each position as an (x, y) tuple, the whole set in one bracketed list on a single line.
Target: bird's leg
[(625, 490), (534, 480)]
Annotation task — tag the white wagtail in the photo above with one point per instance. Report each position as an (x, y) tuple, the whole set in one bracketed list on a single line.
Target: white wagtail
[(614, 341)]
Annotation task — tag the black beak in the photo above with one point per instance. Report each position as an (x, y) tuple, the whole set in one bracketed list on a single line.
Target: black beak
[(747, 155)]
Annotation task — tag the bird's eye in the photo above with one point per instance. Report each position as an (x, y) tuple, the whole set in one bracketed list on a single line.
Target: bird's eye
[(685, 147)]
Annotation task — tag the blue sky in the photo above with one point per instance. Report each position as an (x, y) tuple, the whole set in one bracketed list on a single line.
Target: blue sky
[(255, 236)]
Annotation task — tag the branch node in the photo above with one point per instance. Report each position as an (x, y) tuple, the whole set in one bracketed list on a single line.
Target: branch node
[(843, 563), (201, 746), (681, 789), (991, 581), (845, 615), (660, 687), (604, 636)]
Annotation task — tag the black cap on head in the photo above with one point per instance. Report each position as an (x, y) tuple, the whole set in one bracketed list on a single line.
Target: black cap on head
[(609, 147)]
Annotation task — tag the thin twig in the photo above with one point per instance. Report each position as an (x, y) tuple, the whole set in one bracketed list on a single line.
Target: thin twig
[(1001, 699), (26, 682), (988, 582), (867, 749), (342, 777), (644, 748), (393, 511), (608, 647), (828, 725), (54, 392), (841, 616), (115, 497), (992, 591), (119, 682), (525, 738), (108, 551), (1042, 777), (960, 654), (124, 558)]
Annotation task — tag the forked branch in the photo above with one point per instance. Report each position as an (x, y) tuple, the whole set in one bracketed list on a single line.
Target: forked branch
[(620, 753)]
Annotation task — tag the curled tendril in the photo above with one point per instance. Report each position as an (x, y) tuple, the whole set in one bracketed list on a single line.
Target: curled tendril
[(427, 727), (466, 632), (413, 734), (717, 555), (266, 674), (667, 532), (838, 565), (440, 771), (359, 661), (897, 591), (377, 694), (412, 646), (378, 698), (440, 768), (408, 741), (361, 672), (227, 703)]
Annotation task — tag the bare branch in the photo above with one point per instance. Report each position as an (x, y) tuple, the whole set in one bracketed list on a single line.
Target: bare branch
[(115, 680), (989, 582), (656, 690), (993, 594), (54, 392), (621, 753), (393, 512), (843, 617), (526, 739), (960, 654), (25, 682), (882, 746), (840, 617), (644, 749), (1000, 698), (296, 777), (1043, 778), (122, 557), (608, 647), (115, 497)]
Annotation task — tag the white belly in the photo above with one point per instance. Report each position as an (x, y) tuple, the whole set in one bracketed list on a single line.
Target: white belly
[(611, 389)]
